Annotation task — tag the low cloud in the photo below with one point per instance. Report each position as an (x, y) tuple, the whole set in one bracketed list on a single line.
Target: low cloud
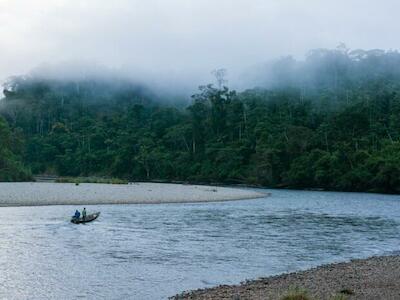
[(179, 42)]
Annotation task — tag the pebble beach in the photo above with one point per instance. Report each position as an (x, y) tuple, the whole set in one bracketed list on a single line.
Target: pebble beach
[(373, 278), (36, 194)]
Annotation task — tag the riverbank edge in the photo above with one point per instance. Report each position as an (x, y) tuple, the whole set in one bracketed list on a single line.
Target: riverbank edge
[(133, 193), (376, 277), (137, 202), (92, 179)]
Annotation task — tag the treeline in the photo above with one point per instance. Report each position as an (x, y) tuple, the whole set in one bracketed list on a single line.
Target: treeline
[(341, 132), (11, 146)]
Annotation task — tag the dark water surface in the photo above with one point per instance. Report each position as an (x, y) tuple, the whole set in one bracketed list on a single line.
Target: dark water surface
[(156, 251)]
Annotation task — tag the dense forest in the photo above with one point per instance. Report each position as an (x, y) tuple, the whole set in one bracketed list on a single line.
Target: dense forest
[(331, 121), (11, 147)]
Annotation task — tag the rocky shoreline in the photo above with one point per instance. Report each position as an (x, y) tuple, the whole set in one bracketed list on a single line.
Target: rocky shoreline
[(372, 278)]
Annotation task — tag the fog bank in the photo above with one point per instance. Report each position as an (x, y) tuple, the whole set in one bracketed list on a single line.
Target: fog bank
[(178, 43)]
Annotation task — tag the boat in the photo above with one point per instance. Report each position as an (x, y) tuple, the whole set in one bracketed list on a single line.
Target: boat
[(89, 218)]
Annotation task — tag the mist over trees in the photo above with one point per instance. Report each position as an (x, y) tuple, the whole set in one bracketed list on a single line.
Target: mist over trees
[(335, 72), (331, 121)]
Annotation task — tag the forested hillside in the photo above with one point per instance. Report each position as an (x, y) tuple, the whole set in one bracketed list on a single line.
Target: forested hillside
[(331, 121), (11, 167)]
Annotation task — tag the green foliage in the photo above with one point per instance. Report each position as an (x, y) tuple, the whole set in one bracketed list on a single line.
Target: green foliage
[(335, 125), (296, 294), (11, 167)]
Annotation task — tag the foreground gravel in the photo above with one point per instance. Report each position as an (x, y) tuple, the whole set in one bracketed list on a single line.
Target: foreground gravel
[(33, 193), (373, 278)]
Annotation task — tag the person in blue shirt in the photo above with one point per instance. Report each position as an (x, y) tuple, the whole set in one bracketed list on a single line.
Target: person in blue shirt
[(77, 214)]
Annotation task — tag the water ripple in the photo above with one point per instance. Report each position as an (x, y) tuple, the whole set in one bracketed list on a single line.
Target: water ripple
[(131, 250)]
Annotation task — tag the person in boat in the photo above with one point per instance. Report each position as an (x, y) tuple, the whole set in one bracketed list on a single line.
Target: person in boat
[(77, 214), (84, 213)]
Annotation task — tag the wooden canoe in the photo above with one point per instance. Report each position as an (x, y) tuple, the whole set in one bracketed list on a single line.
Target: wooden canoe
[(89, 218)]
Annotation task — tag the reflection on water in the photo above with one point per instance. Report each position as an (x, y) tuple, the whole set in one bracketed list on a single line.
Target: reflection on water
[(155, 251)]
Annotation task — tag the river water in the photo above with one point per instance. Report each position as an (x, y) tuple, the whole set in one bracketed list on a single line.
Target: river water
[(156, 251)]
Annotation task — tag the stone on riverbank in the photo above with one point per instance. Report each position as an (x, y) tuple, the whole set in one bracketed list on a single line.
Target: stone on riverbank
[(373, 278)]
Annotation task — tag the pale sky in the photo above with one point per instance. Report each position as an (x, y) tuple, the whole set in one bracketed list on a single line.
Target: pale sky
[(181, 37)]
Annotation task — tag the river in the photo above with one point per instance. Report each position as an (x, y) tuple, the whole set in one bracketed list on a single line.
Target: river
[(155, 251)]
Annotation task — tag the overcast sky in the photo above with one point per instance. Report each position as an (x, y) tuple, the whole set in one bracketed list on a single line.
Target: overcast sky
[(185, 36)]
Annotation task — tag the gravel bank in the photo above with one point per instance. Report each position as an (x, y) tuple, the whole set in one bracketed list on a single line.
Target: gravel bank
[(373, 278), (32, 194)]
